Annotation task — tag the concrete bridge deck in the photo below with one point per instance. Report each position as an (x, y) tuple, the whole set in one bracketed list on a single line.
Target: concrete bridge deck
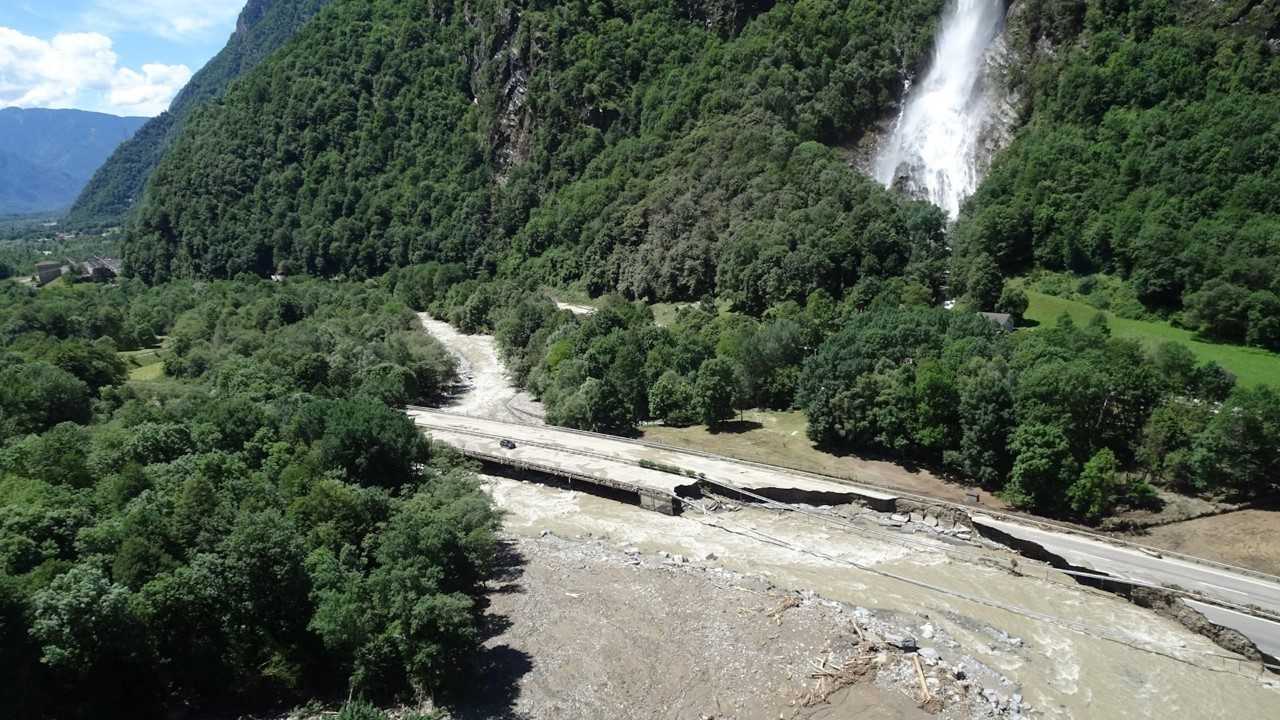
[(627, 465)]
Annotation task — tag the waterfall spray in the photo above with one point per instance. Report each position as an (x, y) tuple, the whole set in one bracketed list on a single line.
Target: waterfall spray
[(933, 148)]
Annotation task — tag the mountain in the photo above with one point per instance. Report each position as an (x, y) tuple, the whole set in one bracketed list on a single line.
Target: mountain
[(670, 148), (46, 156), (663, 148), (263, 26)]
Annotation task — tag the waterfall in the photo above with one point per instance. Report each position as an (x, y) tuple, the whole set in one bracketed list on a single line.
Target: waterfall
[(934, 149)]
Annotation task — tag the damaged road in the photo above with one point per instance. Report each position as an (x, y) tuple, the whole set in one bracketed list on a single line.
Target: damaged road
[(1250, 598), (1028, 640), (997, 644)]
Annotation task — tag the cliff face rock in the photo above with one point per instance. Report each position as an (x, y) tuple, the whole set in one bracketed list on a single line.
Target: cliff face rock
[(503, 68), (1003, 83), (253, 12)]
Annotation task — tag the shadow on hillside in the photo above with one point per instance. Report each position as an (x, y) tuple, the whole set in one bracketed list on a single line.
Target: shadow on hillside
[(905, 463)]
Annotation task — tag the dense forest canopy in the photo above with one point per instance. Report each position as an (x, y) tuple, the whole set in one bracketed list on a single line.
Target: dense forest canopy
[(691, 151), (263, 26), (663, 148), (259, 523), (257, 527), (1152, 152)]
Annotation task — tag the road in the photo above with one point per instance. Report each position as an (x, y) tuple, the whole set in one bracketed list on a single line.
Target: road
[(618, 460), (1227, 586), (494, 408), (1237, 589)]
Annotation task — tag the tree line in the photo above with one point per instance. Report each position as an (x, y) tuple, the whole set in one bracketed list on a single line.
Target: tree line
[(1065, 421)]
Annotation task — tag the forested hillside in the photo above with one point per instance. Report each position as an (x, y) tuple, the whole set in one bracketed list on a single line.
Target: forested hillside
[(664, 148), (263, 26), (1152, 153), (671, 150)]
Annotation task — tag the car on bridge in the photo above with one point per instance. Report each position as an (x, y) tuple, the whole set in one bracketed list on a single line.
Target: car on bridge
[(507, 444)]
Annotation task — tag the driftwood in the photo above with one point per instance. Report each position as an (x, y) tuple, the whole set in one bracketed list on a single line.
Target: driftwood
[(833, 676), (925, 695), (787, 603)]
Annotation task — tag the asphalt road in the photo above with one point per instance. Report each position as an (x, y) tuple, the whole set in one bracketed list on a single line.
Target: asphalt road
[(1213, 582), (1231, 587), (619, 458), (1263, 632)]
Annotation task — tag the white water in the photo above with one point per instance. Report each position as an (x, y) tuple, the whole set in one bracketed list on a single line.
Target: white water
[(937, 135)]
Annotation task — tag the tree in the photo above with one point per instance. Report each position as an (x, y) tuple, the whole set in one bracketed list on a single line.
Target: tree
[(35, 396), (1239, 448), (1013, 300), (1099, 488), (986, 421), (671, 399), (60, 456), (1177, 365), (389, 384), (1043, 467), (936, 418), (152, 443), (1168, 442), (594, 405), (714, 391), (408, 620), (371, 443), (89, 635)]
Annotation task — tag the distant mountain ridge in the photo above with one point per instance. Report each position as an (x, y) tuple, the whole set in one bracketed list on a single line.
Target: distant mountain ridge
[(47, 156), (263, 26)]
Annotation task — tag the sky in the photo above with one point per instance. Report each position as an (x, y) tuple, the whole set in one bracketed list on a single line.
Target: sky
[(124, 57)]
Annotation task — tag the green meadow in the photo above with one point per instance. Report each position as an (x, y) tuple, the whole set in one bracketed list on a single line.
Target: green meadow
[(1251, 366)]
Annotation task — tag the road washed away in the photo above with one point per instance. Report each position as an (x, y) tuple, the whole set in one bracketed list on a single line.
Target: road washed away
[(999, 636)]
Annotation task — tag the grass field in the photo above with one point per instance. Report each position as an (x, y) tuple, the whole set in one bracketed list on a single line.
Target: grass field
[(144, 364), (778, 438), (1251, 366)]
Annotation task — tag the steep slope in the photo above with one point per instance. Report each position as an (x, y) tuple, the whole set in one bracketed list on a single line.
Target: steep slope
[(46, 156), (263, 26), (1152, 152), (663, 148)]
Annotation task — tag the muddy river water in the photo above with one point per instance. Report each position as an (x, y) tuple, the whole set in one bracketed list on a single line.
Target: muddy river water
[(1075, 653)]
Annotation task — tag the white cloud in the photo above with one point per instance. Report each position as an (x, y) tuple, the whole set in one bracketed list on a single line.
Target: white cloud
[(170, 19), (149, 91), (81, 70)]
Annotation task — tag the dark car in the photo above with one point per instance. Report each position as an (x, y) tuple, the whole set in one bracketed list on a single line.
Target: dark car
[(507, 444)]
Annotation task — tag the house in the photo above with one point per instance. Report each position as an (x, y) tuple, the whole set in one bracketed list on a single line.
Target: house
[(47, 272), (1003, 320)]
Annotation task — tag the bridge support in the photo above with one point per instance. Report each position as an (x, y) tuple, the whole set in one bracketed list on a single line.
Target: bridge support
[(664, 504)]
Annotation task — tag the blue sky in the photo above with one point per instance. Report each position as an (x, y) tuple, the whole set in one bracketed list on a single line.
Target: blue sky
[(125, 57)]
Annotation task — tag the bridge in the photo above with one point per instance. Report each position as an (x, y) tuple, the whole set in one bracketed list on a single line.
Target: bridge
[(660, 477)]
